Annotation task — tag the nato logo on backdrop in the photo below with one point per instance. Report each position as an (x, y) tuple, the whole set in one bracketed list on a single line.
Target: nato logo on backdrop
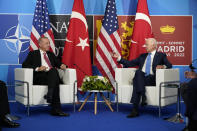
[(14, 37)]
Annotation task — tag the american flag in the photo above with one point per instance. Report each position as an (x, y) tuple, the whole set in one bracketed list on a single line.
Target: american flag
[(108, 41), (41, 26)]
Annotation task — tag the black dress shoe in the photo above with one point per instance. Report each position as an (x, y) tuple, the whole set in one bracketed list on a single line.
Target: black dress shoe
[(134, 113), (186, 129), (49, 99), (59, 113), (143, 103), (8, 123)]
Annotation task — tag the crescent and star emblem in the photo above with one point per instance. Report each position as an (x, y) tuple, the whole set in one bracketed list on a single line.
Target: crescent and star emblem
[(83, 42), (142, 16)]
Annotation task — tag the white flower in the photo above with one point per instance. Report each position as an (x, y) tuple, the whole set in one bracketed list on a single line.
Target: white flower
[(105, 81), (100, 78), (85, 78), (88, 79)]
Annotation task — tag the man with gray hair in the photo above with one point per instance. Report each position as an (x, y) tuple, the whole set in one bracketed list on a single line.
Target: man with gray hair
[(45, 64), (145, 75)]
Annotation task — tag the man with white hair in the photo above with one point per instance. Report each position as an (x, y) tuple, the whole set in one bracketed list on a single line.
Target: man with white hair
[(145, 75)]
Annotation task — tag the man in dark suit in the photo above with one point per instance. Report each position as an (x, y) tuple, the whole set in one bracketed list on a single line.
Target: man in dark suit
[(44, 64), (145, 75), (5, 110), (189, 94)]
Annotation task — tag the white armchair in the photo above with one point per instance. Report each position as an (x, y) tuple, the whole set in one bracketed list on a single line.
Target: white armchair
[(124, 78), (30, 95)]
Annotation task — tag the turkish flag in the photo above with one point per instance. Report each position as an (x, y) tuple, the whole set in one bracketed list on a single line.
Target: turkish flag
[(76, 52), (142, 30)]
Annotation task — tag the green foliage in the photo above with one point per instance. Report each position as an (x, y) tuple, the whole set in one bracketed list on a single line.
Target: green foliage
[(96, 83)]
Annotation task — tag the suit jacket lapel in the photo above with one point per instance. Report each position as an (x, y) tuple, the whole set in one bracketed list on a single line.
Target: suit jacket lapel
[(39, 58), (144, 59), (154, 61), (155, 58)]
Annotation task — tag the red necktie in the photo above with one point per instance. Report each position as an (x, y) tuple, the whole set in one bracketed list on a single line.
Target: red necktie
[(47, 60)]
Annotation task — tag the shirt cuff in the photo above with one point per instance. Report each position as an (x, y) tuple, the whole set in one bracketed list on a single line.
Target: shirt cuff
[(47, 69), (37, 69)]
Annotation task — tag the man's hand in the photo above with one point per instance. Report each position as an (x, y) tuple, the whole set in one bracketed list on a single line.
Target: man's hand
[(160, 67), (42, 68), (63, 67), (115, 55), (190, 74)]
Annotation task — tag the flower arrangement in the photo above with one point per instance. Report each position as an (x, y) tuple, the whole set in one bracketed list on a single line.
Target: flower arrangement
[(96, 83)]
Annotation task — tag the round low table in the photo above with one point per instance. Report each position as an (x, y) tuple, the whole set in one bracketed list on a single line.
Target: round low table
[(95, 100)]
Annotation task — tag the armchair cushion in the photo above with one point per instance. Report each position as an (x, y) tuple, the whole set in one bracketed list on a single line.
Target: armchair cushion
[(124, 77), (37, 92)]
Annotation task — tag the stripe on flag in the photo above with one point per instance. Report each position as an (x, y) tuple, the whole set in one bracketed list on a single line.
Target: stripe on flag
[(41, 26), (108, 41)]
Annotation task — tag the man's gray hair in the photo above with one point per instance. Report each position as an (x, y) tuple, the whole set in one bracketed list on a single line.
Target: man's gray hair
[(153, 40), (40, 39)]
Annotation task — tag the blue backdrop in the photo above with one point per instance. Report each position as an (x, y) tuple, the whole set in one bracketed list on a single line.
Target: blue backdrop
[(16, 21)]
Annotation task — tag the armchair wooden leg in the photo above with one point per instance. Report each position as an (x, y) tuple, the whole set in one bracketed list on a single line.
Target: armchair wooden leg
[(107, 102), (95, 103), (85, 101)]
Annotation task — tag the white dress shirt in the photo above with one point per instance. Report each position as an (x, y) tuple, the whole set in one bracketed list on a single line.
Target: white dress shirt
[(43, 62), (144, 66)]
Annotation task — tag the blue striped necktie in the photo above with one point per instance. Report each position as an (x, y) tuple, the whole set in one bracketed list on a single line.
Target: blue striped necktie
[(148, 64)]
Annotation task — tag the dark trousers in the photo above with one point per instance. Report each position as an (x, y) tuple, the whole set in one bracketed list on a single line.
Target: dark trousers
[(139, 83), (183, 91), (52, 80), (4, 105), (192, 124)]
